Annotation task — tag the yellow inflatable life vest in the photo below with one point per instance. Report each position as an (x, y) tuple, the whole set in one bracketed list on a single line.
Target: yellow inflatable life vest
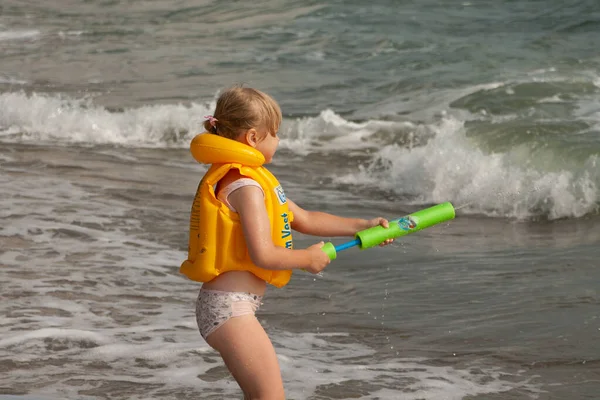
[(217, 243)]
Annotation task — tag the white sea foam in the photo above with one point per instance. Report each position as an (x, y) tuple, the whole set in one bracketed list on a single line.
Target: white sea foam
[(64, 34), (11, 81), (317, 362), (588, 109), (42, 118), (57, 333), (553, 99), (310, 363), (19, 35), (451, 168), (436, 161), (330, 132)]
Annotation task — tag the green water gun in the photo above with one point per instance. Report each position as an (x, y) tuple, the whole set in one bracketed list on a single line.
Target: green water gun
[(399, 227)]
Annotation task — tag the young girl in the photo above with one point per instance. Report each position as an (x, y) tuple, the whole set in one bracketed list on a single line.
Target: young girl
[(240, 236)]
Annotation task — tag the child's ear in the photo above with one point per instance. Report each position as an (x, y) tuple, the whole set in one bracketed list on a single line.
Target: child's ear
[(251, 137)]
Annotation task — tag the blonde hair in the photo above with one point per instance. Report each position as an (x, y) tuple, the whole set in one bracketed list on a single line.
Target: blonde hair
[(241, 108)]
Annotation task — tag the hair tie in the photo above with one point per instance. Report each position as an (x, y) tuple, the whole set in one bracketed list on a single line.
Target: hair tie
[(213, 122)]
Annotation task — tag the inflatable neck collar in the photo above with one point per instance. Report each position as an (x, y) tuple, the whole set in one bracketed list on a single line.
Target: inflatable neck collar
[(208, 148)]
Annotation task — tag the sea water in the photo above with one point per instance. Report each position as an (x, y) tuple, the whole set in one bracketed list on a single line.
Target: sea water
[(389, 107)]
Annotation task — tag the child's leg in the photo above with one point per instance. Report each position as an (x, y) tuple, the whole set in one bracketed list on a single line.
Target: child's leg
[(250, 357)]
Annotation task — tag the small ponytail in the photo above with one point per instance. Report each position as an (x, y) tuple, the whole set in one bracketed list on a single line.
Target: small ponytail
[(210, 124)]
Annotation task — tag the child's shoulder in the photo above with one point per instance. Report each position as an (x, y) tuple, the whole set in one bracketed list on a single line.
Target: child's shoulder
[(230, 177), (232, 181), (234, 176)]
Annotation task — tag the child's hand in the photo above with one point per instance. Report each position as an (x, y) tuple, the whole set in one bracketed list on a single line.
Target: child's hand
[(318, 258), (383, 222)]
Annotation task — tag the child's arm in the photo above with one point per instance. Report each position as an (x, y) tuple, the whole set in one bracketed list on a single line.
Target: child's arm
[(318, 223), (250, 205)]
